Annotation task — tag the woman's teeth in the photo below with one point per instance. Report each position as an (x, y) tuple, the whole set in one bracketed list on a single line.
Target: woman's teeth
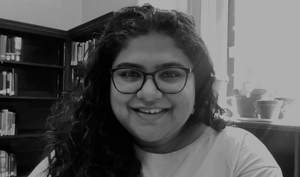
[(150, 111)]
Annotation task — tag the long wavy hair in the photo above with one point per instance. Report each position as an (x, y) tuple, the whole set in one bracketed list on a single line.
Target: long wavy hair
[(83, 131)]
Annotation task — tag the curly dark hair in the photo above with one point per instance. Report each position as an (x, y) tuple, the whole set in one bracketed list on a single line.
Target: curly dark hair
[(83, 131)]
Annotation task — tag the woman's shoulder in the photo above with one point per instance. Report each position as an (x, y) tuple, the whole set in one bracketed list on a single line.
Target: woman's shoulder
[(41, 170), (248, 152), (230, 135)]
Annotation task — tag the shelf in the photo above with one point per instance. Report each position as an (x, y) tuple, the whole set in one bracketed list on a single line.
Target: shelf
[(280, 124), (10, 137), (30, 64), (30, 98)]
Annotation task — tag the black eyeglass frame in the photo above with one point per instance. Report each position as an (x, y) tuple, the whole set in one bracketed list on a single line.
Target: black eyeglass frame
[(152, 74)]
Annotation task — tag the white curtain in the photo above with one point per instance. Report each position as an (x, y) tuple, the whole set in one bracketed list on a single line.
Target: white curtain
[(211, 17)]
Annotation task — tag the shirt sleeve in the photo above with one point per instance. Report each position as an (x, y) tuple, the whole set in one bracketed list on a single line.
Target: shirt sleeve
[(255, 160), (41, 169)]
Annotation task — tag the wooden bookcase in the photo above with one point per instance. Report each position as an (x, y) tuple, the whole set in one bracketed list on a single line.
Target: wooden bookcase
[(44, 75), (40, 83), (83, 33)]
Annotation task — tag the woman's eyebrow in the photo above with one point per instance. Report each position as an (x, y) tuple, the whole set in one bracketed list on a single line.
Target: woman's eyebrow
[(130, 65), (170, 64)]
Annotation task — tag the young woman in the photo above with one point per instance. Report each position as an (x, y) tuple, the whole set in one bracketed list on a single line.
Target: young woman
[(147, 109)]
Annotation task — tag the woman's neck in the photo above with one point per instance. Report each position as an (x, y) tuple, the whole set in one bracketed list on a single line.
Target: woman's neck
[(187, 135)]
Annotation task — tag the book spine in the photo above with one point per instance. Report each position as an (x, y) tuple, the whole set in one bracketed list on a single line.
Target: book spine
[(9, 122), (3, 41), (8, 48), (1, 118), (12, 165), (4, 75), (5, 122), (15, 83), (17, 48), (8, 83), (1, 83), (13, 124), (2, 162), (12, 85), (6, 164)]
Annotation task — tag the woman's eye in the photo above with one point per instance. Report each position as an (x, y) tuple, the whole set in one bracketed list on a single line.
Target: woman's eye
[(129, 74), (170, 74)]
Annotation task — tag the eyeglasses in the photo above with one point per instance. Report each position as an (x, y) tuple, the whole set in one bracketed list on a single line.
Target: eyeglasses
[(167, 80)]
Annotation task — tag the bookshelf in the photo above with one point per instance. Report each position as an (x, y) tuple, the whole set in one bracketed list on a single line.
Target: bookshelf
[(88, 31), (38, 80), (43, 72)]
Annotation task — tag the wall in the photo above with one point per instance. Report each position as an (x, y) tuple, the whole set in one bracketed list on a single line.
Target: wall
[(92, 9), (60, 14), (66, 14)]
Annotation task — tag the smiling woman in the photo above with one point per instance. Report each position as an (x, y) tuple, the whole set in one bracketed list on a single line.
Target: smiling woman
[(148, 109)]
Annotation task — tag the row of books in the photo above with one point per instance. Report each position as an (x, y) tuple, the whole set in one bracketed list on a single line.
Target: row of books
[(10, 47), (81, 50), (9, 82), (7, 122), (8, 164)]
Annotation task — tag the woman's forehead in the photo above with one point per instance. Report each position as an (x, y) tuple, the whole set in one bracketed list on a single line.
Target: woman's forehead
[(152, 49)]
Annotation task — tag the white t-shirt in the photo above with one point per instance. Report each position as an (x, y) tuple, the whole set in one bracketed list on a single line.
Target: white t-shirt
[(233, 152)]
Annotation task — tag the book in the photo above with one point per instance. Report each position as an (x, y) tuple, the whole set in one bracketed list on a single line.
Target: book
[(8, 48), (13, 124), (15, 83), (9, 122), (2, 162), (17, 47), (12, 165), (8, 166), (4, 127), (4, 77), (8, 83), (12, 87), (1, 117), (1, 83), (3, 41)]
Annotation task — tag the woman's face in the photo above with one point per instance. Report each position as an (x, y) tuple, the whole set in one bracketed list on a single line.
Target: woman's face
[(150, 115)]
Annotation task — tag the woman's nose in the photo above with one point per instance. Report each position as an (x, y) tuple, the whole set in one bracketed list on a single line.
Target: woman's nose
[(149, 91)]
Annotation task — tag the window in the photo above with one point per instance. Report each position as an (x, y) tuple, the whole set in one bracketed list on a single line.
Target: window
[(264, 46)]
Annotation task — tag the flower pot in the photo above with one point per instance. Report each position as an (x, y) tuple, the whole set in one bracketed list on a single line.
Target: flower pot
[(284, 108), (268, 109), (245, 105)]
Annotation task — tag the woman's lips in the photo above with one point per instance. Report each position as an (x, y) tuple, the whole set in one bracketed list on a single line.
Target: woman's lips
[(150, 115)]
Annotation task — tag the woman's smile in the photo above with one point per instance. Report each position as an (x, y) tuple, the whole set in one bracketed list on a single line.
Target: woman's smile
[(148, 115)]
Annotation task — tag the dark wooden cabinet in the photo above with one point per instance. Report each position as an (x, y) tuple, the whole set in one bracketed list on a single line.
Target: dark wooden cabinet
[(282, 140)]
